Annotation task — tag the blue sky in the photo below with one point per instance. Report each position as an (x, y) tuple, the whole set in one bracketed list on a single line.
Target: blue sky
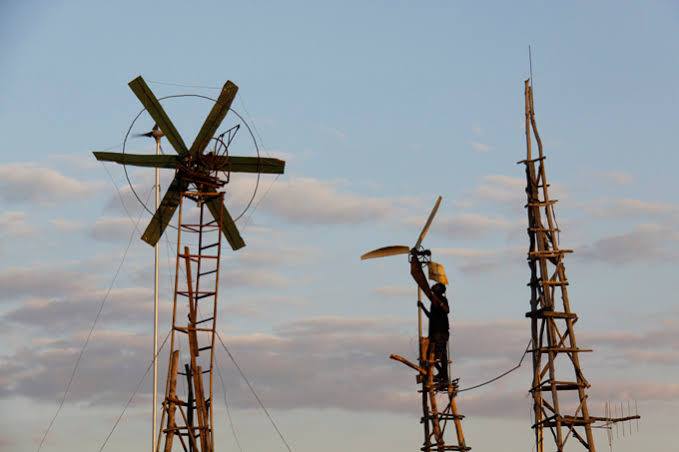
[(378, 108)]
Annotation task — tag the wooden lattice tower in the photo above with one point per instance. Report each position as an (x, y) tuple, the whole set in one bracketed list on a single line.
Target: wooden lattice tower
[(439, 404), (559, 387), (187, 419), (190, 416)]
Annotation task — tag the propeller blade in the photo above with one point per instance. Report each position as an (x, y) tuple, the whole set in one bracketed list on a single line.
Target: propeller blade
[(427, 225), (386, 251), (148, 99), (227, 224), (149, 160), (165, 211), (215, 118), (246, 164)]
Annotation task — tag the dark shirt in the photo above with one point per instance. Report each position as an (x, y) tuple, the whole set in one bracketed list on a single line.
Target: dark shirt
[(438, 320)]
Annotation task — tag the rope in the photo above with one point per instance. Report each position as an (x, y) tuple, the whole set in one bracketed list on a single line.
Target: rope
[(228, 409), (136, 389), (254, 393), (87, 340), (504, 374)]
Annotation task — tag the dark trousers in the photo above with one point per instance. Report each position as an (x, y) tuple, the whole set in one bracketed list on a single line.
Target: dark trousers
[(438, 344)]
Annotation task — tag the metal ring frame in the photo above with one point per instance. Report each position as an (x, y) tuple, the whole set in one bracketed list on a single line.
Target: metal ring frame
[(254, 140)]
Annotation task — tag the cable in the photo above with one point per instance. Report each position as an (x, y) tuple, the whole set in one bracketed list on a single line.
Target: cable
[(184, 86), (120, 197), (141, 380), (226, 403), (523, 355), (87, 340), (254, 393)]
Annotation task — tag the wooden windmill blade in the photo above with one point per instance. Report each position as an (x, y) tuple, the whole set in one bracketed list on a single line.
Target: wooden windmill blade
[(235, 164), (166, 209), (228, 226), (150, 102), (145, 160), (214, 118), (427, 225), (386, 251)]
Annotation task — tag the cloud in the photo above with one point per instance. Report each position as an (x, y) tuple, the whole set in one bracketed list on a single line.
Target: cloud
[(252, 277), (64, 225), (617, 177), (474, 261), (471, 225), (28, 182), (658, 345), (477, 146), (349, 355), (645, 243), (632, 208), (502, 189), (124, 306), (312, 201), (395, 291), (111, 229), (13, 223), (45, 280)]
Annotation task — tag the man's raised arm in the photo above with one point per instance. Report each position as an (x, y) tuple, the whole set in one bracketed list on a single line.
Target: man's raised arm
[(421, 280)]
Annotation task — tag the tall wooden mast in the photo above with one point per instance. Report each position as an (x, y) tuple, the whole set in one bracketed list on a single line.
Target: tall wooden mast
[(559, 387)]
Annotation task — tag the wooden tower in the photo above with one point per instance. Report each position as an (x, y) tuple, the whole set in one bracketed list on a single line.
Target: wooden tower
[(439, 405), (559, 387)]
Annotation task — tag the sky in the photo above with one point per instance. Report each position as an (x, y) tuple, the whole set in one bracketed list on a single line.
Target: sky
[(377, 108)]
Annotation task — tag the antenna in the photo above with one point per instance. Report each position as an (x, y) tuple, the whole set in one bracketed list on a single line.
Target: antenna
[(530, 64)]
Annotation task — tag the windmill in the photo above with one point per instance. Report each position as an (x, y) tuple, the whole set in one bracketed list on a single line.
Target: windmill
[(434, 420), (200, 178)]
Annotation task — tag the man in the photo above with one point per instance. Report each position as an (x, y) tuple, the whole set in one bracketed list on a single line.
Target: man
[(439, 328)]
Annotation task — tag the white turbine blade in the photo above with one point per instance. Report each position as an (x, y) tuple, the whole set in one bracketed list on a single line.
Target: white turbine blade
[(427, 225), (386, 251)]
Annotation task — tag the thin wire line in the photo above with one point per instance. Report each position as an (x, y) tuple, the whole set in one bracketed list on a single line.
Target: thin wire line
[(183, 85), (226, 403), (120, 197), (254, 209), (141, 380), (254, 393), (523, 355), (87, 340)]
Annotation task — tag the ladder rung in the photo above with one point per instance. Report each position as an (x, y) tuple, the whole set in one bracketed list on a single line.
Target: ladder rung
[(560, 350), (549, 253), (560, 386), (542, 203), (205, 295), (205, 320), (538, 159), (208, 272), (207, 347), (544, 230), (209, 246), (551, 314), (549, 282)]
